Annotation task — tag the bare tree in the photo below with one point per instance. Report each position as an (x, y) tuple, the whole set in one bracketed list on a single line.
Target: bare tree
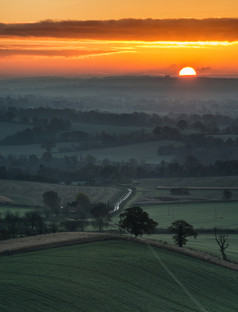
[(221, 239)]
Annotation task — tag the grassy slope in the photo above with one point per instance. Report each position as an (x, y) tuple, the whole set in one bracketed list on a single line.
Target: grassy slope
[(112, 276), (200, 215), (205, 243)]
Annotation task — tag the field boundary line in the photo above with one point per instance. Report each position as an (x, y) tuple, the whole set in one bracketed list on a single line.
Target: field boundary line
[(188, 252), (62, 239)]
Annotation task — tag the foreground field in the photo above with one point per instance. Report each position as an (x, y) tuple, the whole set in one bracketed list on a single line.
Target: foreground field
[(114, 276)]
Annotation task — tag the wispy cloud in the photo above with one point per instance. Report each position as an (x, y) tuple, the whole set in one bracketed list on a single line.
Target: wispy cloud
[(54, 53), (213, 29)]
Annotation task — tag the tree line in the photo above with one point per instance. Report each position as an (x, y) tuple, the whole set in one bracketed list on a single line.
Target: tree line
[(53, 217), (92, 172), (80, 213)]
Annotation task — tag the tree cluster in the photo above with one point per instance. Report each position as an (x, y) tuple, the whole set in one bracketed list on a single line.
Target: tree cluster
[(12, 225)]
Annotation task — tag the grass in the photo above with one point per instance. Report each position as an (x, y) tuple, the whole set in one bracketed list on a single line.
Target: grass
[(205, 243), (200, 215), (211, 211), (113, 276), (229, 181), (19, 210)]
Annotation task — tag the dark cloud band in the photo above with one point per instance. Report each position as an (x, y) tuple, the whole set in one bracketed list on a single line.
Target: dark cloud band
[(214, 29)]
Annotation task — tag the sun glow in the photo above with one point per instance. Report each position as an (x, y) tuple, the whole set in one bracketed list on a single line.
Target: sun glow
[(187, 71), (72, 56)]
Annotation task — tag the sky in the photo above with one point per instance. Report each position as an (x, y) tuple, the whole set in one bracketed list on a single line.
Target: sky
[(125, 37)]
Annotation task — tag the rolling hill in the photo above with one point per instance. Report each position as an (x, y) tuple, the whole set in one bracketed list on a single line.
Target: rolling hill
[(114, 276)]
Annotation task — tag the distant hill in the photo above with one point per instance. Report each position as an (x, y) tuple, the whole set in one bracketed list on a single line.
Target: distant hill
[(127, 93), (167, 86)]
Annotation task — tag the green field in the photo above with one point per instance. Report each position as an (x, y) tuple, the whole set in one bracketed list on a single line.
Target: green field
[(229, 181), (114, 276), (200, 215), (205, 243), (201, 189), (19, 210)]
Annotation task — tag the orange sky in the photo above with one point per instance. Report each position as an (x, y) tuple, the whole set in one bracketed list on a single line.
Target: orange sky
[(105, 38)]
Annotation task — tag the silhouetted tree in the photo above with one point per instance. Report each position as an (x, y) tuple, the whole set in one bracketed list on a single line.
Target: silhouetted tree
[(182, 229), (49, 145), (136, 221), (101, 213), (70, 225), (52, 201), (3, 172), (82, 199), (11, 224), (182, 124), (34, 223), (227, 194), (221, 239)]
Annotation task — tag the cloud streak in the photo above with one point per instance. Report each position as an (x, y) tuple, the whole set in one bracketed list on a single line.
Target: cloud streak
[(54, 53), (213, 29)]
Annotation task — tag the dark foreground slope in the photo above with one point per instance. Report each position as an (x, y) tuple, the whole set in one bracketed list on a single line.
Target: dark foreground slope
[(114, 276)]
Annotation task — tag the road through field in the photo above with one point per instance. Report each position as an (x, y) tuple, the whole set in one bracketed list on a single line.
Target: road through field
[(121, 200)]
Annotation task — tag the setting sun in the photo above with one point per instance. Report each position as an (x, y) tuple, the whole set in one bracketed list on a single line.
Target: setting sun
[(187, 71)]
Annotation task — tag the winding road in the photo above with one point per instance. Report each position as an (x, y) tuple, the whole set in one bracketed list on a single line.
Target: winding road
[(121, 200)]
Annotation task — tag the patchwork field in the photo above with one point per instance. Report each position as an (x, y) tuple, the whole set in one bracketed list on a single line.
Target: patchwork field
[(230, 181), (30, 193), (114, 276), (200, 215), (146, 152), (142, 152)]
